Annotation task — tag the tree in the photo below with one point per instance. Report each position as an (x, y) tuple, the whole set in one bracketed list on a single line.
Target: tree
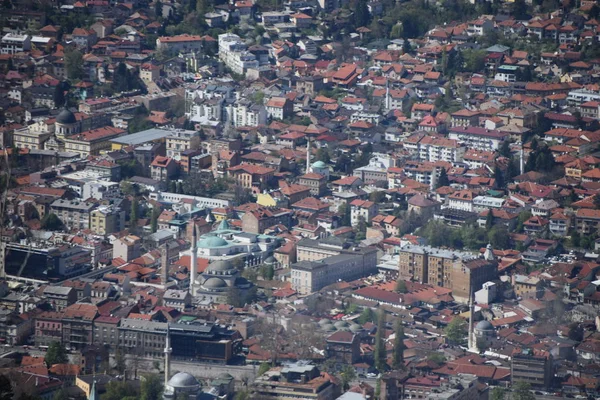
[(474, 60), (56, 354), (74, 64), (380, 350), (151, 388), (378, 388), (348, 375), (497, 393), (437, 358), (367, 315), (120, 362), (154, 219), (399, 347), (60, 394), (264, 367), (6, 390), (489, 220), (401, 286), (522, 391), (361, 14), (133, 216), (443, 179), (118, 390), (576, 332), (377, 196), (59, 95), (518, 10), (323, 155), (51, 222), (344, 211), (498, 237), (234, 297), (456, 330), (158, 9)]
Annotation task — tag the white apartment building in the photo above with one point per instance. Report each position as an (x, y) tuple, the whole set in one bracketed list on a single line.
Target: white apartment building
[(244, 113), (440, 149), (12, 43), (362, 208), (482, 203), (233, 52)]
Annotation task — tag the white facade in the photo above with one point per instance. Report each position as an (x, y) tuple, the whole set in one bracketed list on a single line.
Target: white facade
[(234, 54), (13, 43)]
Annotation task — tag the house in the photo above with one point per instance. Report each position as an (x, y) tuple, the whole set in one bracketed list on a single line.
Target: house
[(84, 38), (364, 209), (251, 176), (163, 168), (279, 108)]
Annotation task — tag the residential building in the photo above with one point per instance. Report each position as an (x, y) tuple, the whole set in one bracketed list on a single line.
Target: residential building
[(105, 220), (534, 370), (13, 43), (362, 208), (181, 140), (74, 214)]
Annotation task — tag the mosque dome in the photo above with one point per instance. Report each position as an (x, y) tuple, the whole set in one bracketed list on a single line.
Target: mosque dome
[(324, 321), (270, 260), (183, 380), (355, 328), (319, 165), (484, 326), (220, 266), (214, 283), (341, 324), (212, 242), (66, 117), (224, 375)]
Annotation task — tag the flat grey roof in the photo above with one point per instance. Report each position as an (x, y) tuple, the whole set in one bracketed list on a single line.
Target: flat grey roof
[(142, 137)]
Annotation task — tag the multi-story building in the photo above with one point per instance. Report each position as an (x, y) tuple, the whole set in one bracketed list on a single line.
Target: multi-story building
[(321, 263), (534, 370), (279, 108), (316, 182), (587, 221), (12, 43), (295, 381), (251, 176), (478, 138), (74, 214), (181, 140), (343, 347), (77, 324), (106, 331), (259, 218), (362, 208), (180, 43), (92, 142), (435, 149), (470, 275), (107, 219), (60, 297), (244, 113), (235, 54), (48, 328)]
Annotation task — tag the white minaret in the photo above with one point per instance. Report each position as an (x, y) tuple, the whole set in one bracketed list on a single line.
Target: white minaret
[(471, 316), (387, 95), (168, 351), (522, 160), (193, 259), (308, 156)]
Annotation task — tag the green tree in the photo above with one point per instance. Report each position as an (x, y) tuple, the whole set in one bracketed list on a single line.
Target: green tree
[(575, 238), (158, 9), (344, 212), (120, 362), (576, 332), (367, 315), (361, 14), (474, 60), (56, 354), (119, 390), (151, 388), (498, 237), (522, 391), (154, 219), (51, 222), (133, 216), (377, 196), (489, 220), (437, 358), (74, 64), (497, 393), (59, 95), (456, 330), (380, 350), (399, 347), (234, 297), (60, 394), (443, 179), (264, 367), (323, 155), (518, 10), (378, 388), (401, 286), (6, 390), (348, 375)]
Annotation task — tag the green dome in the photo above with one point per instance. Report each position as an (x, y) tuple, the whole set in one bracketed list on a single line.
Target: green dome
[(223, 225), (319, 165), (212, 242)]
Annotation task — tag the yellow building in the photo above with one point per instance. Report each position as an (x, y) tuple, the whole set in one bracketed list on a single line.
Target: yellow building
[(92, 142), (106, 220)]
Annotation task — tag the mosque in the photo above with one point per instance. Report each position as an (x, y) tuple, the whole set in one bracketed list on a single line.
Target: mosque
[(226, 248)]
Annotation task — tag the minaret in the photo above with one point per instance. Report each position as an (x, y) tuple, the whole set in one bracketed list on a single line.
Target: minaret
[(93, 391), (387, 95), (308, 156), (471, 316), (164, 265), (522, 160), (193, 259), (168, 351)]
